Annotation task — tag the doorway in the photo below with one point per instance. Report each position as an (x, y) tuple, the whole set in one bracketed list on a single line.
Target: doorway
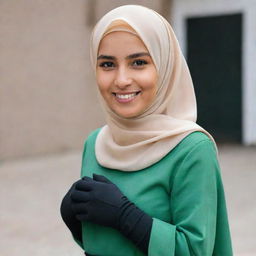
[(214, 56)]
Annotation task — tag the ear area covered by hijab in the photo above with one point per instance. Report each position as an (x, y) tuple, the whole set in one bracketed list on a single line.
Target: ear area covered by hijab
[(136, 143)]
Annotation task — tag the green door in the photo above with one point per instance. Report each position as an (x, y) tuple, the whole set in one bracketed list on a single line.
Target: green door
[(214, 57)]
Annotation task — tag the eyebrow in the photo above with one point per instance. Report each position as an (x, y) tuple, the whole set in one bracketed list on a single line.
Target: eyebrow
[(136, 55), (132, 56), (106, 57)]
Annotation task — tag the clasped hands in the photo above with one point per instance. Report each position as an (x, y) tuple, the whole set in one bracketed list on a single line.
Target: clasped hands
[(98, 200)]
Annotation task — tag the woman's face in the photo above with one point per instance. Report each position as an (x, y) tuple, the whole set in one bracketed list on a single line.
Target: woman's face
[(126, 74)]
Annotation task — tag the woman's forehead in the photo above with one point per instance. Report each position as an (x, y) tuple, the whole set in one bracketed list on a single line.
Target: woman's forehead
[(119, 42)]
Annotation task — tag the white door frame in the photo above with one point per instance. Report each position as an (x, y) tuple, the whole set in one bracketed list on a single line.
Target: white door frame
[(183, 9)]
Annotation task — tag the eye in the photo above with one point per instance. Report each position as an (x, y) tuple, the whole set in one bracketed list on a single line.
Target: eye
[(106, 65), (139, 63)]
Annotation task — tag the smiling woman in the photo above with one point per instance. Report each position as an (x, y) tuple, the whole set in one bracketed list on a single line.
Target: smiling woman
[(150, 180), (126, 76)]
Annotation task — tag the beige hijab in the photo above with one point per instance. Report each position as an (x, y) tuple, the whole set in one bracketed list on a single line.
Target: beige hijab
[(136, 143)]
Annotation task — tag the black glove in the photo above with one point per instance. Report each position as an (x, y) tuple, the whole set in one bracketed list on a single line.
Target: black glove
[(100, 201), (68, 215)]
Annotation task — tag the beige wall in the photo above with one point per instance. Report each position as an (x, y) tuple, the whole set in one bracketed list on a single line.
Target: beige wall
[(47, 90)]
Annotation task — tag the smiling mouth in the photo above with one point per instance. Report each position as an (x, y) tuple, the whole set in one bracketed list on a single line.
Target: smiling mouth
[(125, 97)]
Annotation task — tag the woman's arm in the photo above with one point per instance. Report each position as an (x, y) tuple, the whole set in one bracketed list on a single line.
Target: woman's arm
[(198, 224)]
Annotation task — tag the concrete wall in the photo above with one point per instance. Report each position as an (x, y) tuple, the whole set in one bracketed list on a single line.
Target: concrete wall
[(48, 99)]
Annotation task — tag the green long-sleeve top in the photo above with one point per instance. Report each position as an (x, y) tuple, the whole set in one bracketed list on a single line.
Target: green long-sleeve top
[(183, 193)]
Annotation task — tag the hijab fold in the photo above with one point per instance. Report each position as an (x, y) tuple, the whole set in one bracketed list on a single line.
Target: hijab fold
[(131, 144)]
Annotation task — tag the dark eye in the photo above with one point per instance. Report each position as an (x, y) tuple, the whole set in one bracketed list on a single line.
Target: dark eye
[(139, 63), (106, 64)]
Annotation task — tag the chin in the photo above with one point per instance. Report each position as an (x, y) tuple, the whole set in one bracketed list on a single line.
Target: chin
[(126, 115)]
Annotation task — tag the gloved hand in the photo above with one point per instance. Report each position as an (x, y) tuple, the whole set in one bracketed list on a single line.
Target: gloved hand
[(68, 215), (100, 201)]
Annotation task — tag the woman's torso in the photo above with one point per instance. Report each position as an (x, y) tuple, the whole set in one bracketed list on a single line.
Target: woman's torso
[(150, 189)]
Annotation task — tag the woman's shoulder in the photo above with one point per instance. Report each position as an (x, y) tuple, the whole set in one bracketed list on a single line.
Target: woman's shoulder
[(93, 134), (197, 151), (91, 138), (195, 140)]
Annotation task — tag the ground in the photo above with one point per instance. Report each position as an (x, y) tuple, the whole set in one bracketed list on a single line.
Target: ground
[(31, 190)]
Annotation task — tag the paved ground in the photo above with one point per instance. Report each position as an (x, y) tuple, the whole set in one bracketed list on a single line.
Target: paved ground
[(31, 191)]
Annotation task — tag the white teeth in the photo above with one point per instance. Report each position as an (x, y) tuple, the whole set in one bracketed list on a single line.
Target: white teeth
[(126, 96)]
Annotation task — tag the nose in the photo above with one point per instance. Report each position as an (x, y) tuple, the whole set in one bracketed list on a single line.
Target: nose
[(123, 78)]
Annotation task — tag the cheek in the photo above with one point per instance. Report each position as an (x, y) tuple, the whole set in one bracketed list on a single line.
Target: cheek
[(103, 82), (150, 82)]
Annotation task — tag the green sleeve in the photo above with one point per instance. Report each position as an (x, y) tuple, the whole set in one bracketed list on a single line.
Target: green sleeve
[(193, 202)]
